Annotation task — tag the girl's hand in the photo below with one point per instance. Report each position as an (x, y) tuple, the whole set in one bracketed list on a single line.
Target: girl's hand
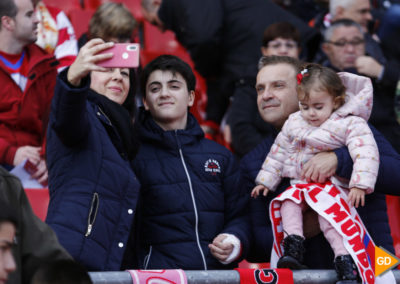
[(256, 191), (356, 197), (86, 60)]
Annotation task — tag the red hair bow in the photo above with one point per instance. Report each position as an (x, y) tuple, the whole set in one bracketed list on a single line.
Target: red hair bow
[(301, 75)]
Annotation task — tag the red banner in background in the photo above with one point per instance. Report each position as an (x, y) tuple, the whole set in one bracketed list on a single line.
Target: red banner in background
[(264, 276)]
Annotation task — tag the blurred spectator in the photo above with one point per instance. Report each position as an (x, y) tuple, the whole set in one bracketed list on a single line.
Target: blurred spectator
[(282, 39), (360, 12), (111, 22), (36, 243), (90, 145), (345, 48), (247, 127), (379, 61), (223, 39), (8, 227), (357, 10), (61, 272), (28, 76), (56, 34)]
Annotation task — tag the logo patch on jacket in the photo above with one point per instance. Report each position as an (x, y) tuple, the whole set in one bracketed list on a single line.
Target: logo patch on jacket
[(212, 166)]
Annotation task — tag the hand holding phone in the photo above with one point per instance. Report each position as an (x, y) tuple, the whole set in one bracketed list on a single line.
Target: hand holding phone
[(125, 55)]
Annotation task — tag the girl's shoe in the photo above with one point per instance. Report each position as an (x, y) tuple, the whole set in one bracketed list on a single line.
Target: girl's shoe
[(346, 269), (293, 253)]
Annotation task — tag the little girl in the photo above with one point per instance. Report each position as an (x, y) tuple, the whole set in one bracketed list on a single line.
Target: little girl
[(330, 116)]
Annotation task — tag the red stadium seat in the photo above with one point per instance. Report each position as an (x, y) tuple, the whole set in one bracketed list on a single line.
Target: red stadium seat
[(80, 20), (163, 42), (92, 4), (393, 210), (249, 265), (39, 200), (65, 5)]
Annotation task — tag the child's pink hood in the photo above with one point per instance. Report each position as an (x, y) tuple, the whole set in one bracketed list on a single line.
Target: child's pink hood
[(359, 96)]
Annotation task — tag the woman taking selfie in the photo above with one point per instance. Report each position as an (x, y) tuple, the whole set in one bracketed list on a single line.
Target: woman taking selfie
[(90, 146)]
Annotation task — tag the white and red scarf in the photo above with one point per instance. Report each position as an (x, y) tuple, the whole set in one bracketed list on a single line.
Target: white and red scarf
[(330, 202)]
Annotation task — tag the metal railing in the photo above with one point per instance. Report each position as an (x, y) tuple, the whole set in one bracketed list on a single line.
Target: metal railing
[(225, 277)]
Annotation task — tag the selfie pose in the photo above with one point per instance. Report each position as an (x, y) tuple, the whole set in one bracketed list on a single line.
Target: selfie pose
[(90, 146)]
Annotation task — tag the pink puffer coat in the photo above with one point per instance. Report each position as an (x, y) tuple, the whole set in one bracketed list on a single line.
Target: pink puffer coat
[(347, 126)]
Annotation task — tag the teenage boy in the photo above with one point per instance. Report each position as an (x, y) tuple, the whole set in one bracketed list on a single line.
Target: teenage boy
[(192, 210)]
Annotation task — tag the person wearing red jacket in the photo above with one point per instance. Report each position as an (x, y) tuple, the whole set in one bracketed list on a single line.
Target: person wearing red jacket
[(27, 76)]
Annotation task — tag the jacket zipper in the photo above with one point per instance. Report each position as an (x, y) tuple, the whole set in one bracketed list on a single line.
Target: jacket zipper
[(108, 120), (147, 258), (94, 207), (194, 205)]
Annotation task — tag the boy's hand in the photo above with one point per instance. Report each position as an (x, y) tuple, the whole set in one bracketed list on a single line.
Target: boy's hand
[(256, 191), (219, 249), (356, 197)]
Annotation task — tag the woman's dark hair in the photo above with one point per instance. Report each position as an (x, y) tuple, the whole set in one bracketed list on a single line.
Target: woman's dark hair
[(7, 213), (168, 63), (130, 101)]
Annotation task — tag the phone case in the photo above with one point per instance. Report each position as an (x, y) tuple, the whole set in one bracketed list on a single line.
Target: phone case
[(126, 55)]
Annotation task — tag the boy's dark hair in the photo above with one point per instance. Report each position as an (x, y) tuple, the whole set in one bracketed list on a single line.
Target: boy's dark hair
[(7, 213), (62, 272), (281, 29), (168, 63)]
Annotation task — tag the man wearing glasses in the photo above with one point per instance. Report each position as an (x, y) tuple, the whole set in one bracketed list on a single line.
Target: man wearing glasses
[(344, 45)]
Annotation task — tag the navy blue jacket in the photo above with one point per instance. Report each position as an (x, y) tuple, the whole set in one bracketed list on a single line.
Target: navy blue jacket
[(189, 193), (318, 252), (93, 190)]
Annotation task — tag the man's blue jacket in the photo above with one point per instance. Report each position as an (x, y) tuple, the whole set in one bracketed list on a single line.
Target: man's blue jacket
[(318, 252)]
